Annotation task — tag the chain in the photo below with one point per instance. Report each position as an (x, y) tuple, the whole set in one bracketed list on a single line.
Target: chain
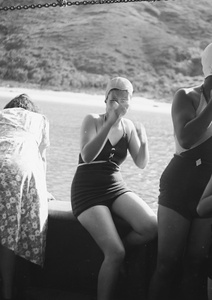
[(64, 3)]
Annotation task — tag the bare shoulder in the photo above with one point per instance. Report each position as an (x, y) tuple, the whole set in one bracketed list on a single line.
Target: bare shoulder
[(92, 118), (184, 93), (128, 123), (93, 122), (129, 126), (186, 97)]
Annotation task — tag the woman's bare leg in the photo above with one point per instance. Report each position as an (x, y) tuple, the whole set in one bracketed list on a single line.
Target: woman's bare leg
[(139, 215), (173, 231), (194, 280), (99, 223)]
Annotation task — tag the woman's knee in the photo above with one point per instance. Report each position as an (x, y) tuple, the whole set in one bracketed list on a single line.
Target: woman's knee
[(150, 228), (115, 254), (153, 228)]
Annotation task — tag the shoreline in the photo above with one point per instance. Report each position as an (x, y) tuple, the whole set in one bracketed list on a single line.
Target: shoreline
[(138, 103)]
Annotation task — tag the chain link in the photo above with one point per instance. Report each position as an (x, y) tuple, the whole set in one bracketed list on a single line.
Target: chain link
[(65, 3)]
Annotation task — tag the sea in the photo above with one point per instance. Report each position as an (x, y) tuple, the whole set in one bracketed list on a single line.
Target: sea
[(62, 156)]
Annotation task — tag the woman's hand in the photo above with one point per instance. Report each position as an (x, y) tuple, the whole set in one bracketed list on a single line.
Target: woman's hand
[(138, 144), (118, 111), (141, 132), (122, 108), (50, 197)]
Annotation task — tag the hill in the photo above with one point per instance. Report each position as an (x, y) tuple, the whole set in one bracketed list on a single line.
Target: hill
[(157, 45)]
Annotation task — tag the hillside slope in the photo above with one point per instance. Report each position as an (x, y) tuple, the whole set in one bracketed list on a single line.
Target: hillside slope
[(156, 45)]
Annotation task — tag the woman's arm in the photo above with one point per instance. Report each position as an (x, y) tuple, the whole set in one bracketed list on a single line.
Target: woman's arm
[(43, 157), (45, 142), (91, 140), (189, 128), (138, 144), (204, 208)]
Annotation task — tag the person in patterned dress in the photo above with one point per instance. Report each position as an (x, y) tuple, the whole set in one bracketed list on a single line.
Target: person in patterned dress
[(24, 137)]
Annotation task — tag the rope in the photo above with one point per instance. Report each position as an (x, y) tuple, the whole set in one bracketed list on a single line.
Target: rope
[(65, 3)]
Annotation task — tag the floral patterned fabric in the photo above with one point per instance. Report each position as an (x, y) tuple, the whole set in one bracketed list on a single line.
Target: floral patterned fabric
[(23, 192)]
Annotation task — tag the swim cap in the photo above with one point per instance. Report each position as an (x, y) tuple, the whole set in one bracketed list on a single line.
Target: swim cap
[(207, 61), (119, 83)]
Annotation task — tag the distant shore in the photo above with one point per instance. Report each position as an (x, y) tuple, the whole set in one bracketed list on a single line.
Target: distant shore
[(138, 103)]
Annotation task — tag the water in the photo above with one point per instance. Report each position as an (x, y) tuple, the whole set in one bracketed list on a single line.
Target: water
[(62, 156), (65, 120)]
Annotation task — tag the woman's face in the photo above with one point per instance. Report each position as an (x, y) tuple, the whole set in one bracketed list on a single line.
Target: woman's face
[(118, 97)]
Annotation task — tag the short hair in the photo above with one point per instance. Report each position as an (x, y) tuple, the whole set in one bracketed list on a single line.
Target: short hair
[(22, 101)]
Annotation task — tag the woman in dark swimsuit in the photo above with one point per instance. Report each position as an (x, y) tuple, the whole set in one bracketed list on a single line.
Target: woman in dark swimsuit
[(98, 188), (184, 238)]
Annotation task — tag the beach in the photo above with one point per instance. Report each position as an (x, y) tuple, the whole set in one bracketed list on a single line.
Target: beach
[(138, 103)]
